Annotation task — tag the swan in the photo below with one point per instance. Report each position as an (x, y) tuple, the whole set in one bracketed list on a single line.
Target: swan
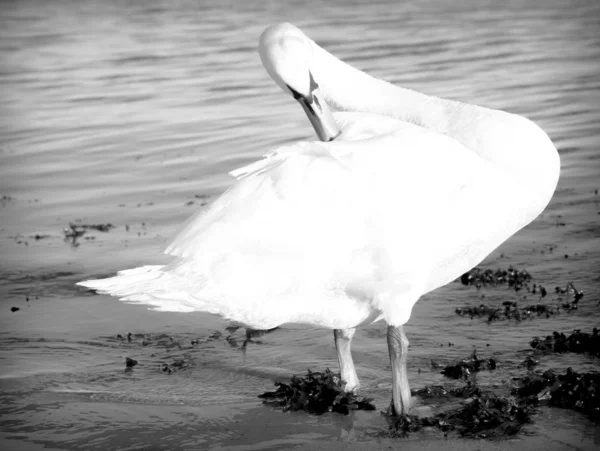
[(403, 193)]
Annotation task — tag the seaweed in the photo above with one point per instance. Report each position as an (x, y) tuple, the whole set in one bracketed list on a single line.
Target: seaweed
[(482, 415), (518, 281), (130, 363), (400, 426), (169, 342), (176, 365), (487, 415), (472, 364), (481, 310), (38, 236), (315, 393), (466, 391), (511, 310), (529, 363), (570, 390), (434, 391), (578, 342), (439, 391), (75, 231), (512, 277)]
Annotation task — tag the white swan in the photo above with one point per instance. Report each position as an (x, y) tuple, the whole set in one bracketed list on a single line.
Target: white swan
[(415, 191)]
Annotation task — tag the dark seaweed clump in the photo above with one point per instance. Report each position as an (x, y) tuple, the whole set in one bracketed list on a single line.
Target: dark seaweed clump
[(511, 309), (438, 391), (472, 364), (487, 416), (315, 393), (483, 415), (512, 277), (518, 281), (176, 365), (570, 391), (130, 363), (402, 425), (529, 363), (578, 342), (75, 231)]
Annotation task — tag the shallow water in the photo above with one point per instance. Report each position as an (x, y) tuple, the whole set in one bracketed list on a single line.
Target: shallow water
[(132, 113)]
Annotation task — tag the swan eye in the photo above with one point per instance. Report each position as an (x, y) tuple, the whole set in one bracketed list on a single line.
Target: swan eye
[(313, 85)]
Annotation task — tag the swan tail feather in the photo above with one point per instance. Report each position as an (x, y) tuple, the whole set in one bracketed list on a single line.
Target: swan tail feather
[(148, 285)]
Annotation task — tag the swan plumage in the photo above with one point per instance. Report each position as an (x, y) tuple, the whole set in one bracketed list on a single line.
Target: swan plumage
[(314, 231), (411, 192)]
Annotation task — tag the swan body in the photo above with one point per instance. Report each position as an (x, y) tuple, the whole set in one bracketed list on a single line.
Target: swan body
[(356, 203), (411, 192)]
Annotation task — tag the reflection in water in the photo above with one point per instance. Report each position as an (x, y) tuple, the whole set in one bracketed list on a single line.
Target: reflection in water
[(132, 114)]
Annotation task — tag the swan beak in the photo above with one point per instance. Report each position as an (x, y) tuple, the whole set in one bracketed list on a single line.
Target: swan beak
[(318, 112)]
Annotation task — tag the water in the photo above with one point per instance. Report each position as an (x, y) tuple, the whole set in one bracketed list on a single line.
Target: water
[(132, 113)]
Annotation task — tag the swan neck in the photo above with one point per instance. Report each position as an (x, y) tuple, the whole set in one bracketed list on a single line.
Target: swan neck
[(346, 88), (508, 142)]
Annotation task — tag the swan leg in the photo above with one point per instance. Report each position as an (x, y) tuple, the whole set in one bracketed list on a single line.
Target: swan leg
[(343, 340), (398, 349)]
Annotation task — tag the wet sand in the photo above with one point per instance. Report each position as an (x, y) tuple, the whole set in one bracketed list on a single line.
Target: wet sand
[(250, 427)]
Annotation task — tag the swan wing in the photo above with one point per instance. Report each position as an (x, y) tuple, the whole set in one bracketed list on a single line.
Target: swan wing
[(327, 221), (383, 166)]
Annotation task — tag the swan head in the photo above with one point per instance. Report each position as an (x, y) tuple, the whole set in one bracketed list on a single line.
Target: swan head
[(287, 55)]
